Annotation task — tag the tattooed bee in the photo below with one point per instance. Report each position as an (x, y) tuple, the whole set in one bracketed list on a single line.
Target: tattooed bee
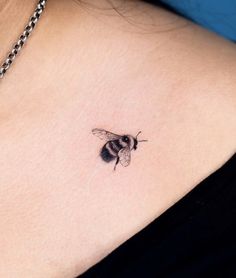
[(117, 147)]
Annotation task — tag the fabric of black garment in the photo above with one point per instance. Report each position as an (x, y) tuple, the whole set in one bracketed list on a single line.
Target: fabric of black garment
[(196, 237)]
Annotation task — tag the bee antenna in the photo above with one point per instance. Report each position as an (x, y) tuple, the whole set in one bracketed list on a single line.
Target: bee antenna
[(138, 134), (140, 140)]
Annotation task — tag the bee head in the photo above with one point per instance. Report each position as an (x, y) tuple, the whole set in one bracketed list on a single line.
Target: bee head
[(131, 141)]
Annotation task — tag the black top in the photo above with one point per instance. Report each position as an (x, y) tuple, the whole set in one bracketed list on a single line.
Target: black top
[(193, 238)]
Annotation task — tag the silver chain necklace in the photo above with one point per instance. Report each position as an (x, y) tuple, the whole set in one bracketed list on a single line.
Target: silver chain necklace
[(23, 38)]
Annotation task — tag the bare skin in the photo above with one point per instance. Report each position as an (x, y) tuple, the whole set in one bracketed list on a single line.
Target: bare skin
[(62, 208)]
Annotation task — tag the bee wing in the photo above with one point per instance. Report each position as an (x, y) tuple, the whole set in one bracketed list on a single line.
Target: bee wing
[(125, 156), (105, 135)]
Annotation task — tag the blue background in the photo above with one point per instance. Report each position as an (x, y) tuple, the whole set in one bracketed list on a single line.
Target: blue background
[(216, 15)]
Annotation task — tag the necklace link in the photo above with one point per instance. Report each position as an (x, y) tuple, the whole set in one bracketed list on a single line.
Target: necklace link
[(23, 38)]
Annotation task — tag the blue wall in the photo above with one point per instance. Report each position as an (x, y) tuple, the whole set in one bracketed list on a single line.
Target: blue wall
[(216, 15)]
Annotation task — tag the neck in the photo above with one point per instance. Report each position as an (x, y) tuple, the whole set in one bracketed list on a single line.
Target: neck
[(14, 15)]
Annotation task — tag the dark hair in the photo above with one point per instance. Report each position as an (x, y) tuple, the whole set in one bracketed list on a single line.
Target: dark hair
[(124, 7), (158, 3)]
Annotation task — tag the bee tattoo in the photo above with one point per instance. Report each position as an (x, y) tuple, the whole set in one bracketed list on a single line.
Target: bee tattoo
[(117, 147)]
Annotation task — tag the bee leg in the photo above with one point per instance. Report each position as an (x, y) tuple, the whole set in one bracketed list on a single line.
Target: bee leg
[(117, 161)]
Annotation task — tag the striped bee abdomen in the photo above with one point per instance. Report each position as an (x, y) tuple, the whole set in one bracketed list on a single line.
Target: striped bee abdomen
[(110, 150)]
